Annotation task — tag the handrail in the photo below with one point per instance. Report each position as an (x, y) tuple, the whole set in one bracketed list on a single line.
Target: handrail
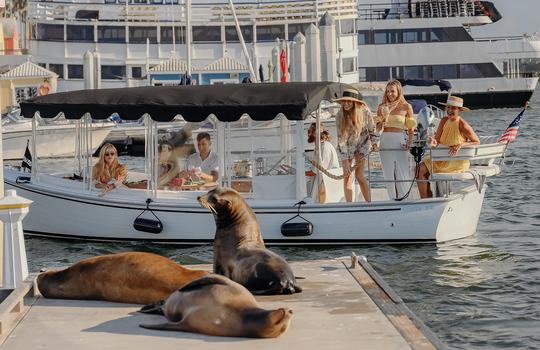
[(420, 9)]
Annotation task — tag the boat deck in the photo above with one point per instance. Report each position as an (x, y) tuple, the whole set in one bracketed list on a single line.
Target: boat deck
[(341, 307)]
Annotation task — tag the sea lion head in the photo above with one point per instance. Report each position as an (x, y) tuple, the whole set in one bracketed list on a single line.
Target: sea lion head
[(227, 206), (268, 324)]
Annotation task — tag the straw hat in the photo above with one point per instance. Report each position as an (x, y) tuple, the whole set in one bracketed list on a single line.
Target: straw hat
[(350, 95), (455, 102)]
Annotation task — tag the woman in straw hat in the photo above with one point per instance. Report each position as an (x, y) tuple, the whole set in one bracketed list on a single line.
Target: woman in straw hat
[(394, 116), (453, 132), (356, 135)]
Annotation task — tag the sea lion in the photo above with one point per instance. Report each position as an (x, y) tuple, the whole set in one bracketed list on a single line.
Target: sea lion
[(215, 305), (239, 250), (134, 278)]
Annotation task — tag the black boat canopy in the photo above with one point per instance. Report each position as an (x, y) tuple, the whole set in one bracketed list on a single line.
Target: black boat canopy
[(194, 103)]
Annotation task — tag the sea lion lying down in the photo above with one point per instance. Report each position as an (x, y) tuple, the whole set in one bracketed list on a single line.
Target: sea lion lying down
[(239, 250), (215, 305), (135, 278)]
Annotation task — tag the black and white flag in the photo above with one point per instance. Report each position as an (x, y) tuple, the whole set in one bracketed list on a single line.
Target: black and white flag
[(27, 158)]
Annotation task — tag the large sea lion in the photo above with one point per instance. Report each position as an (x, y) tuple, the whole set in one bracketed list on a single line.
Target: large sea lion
[(215, 305), (239, 250), (135, 278)]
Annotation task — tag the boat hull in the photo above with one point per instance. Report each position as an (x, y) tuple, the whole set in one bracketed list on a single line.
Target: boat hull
[(84, 215)]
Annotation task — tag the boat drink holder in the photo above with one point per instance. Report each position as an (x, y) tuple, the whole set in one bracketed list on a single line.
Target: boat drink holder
[(148, 225), (297, 229)]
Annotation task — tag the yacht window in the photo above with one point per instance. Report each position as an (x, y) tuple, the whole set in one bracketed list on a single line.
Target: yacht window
[(469, 71), (488, 70), (136, 72), (416, 72), (383, 73), (167, 35), (362, 74), (206, 34), (139, 35), (113, 72), (270, 33), (347, 26), (75, 71), (415, 36), (445, 71), (58, 69), (450, 34), (232, 36), (387, 37), (87, 14), (80, 33), (50, 32), (111, 34), (348, 64)]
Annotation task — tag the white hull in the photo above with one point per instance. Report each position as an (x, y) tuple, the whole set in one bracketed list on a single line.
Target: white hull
[(61, 209), (53, 140)]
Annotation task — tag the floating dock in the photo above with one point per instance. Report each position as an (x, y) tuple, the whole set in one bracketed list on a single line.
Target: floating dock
[(344, 305)]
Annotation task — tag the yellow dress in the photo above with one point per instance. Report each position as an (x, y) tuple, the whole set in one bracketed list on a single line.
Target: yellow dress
[(450, 137)]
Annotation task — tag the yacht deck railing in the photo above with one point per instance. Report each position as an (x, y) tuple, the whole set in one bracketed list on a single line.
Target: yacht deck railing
[(421, 9)]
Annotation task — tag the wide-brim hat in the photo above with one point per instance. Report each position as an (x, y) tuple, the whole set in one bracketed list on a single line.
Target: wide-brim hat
[(455, 102), (350, 95)]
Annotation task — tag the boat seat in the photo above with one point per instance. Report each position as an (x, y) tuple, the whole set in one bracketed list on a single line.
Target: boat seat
[(475, 170)]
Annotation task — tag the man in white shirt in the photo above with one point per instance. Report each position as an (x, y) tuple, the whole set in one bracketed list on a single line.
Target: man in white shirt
[(204, 164), (329, 157)]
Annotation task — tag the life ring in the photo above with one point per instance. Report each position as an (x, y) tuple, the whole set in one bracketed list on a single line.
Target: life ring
[(44, 88)]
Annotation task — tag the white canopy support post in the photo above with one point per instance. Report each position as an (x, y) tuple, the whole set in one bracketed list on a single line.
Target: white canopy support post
[(317, 155), (88, 149), (34, 170), (301, 191), (13, 209), (154, 158), (221, 149)]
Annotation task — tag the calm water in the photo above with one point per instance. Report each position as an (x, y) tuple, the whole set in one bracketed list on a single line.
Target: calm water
[(482, 292)]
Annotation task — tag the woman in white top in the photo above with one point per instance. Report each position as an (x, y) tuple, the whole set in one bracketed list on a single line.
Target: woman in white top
[(394, 117)]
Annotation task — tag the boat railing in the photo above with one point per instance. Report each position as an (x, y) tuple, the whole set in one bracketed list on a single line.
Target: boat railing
[(421, 9)]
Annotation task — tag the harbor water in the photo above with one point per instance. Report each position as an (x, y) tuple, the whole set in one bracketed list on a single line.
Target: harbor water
[(482, 292)]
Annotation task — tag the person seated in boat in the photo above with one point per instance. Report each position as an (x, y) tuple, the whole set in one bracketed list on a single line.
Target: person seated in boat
[(394, 118), (453, 132), (204, 164), (329, 158), (357, 137), (169, 169), (108, 173)]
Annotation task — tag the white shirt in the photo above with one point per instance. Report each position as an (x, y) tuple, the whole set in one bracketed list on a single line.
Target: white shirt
[(329, 157), (211, 163)]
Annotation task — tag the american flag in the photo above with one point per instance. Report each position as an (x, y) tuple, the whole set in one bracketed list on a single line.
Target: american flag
[(509, 135)]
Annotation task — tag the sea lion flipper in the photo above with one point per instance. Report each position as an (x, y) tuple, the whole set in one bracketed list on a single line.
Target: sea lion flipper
[(203, 282), (168, 326), (154, 308)]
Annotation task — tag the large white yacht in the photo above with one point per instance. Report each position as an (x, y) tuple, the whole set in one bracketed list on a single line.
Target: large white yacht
[(142, 42), (431, 40)]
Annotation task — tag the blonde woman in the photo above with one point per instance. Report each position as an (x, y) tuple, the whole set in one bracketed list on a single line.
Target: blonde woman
[(108, 174), (394, 118), (356, 139), (169, 169)]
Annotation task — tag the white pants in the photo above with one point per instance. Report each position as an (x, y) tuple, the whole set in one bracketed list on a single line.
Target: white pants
[(395, 164)]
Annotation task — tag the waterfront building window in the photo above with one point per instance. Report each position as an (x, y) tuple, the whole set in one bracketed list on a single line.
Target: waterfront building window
[(295, 28), (44, 65), (348, 64), (362, 74), (58, 69), (387, 37), (80, 33), (113, 72), (111, 34), (75, 71), (50, 32), (232, 36), (24, 93), (348, 26), (270, 33), (363, 37), (206, 34), (445, 71), (167, 35), (136, 72), (138, 35)]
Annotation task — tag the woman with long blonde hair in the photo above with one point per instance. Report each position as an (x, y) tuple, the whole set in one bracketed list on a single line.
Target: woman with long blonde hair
[(108, 173), (356, 139), (394, 117)]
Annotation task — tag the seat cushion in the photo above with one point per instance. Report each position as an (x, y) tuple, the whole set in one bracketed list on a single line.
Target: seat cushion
[(482, 170)]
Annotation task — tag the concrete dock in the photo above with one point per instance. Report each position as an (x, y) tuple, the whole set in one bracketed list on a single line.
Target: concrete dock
[(341, 307)]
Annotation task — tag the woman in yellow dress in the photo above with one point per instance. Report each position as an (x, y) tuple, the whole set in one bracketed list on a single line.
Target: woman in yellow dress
[(453, 132)]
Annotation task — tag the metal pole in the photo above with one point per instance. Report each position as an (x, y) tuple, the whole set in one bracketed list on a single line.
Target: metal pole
[(242, 42), (188, 35)]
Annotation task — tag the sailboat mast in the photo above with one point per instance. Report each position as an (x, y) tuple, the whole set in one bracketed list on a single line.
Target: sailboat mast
[(243, 43)]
